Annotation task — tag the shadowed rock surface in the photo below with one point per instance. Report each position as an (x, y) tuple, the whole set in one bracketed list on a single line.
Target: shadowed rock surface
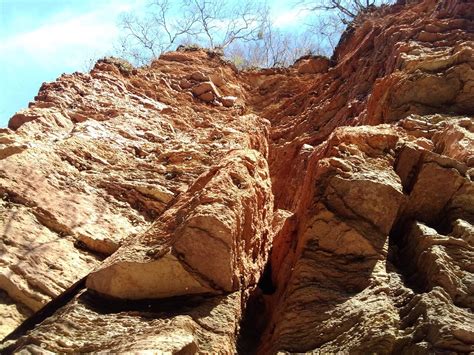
[(324, 207)]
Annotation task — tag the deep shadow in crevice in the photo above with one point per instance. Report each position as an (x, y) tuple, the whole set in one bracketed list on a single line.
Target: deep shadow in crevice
[(442, 226), (403, 252), (255, 317), (253, 324), (171, 306), (265, 284), (403, 262)]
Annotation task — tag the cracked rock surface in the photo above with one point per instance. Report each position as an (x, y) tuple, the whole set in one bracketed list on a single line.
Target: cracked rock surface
[(324, 207)]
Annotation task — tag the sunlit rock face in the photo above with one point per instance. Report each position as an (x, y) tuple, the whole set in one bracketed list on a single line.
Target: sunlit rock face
[(324, 207), (214, 239)]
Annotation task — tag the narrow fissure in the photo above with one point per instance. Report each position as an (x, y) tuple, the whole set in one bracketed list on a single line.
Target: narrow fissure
[(265, 284), (402, 262), (253, 323), (255, 317)]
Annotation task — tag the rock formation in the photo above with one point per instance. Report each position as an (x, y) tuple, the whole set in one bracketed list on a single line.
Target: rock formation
[(189, 207)]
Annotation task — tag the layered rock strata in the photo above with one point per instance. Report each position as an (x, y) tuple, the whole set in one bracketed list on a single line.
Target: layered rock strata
[(324, 207), (214, 239)]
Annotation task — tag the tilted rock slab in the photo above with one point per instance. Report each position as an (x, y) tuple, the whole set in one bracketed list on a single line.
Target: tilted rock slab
[(215, 238)]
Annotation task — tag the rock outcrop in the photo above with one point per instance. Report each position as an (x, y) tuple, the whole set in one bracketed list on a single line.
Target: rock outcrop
[(324, 207), (214, 239)]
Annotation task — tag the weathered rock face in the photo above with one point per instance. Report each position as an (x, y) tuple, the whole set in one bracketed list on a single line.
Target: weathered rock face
[(324, 207), (215, 238), (105, 157), (363, 255), (196, 324)]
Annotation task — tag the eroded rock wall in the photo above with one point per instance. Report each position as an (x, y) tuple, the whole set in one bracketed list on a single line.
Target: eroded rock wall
[(374, 250), (324, 207)]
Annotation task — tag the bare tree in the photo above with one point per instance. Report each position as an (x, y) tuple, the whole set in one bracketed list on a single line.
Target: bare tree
[(345, 10), (146, 37), (272, 46), (243, 29), (331, 17), (275, 48), (173, 30), (327, 29), (209, 23)]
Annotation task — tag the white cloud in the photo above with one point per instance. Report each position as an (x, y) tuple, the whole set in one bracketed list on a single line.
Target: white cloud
[(291, 18), (67, 39)]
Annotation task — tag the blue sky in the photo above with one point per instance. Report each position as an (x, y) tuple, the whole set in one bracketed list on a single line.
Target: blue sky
[(41, 39)]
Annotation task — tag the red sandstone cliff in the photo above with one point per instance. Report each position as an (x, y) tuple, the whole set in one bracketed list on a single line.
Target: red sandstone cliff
[(324, 207)]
